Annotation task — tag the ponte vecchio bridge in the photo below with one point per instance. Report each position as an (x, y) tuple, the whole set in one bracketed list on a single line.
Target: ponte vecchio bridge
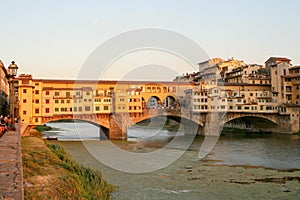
[(117, 105)]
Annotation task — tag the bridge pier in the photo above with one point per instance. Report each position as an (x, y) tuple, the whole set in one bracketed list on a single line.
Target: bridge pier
[(118, 124)]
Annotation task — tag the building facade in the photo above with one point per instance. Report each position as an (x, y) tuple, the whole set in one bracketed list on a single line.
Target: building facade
[(41, 99), (4, 91), (224, 86), (273, 88)]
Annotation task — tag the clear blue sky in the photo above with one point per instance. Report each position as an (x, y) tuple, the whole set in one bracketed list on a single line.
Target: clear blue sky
[(52, 39)]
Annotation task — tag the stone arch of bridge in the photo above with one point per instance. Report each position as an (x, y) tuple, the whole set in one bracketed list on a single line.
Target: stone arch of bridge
[(92, 120), (104, 129), (153, 101), (170, 101), (254, 120), (178, 118), (159, 99)]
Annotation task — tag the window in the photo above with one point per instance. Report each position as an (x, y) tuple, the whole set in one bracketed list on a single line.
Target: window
[(47, 110), (56, 101), (62, 109), (97, 108), (24, 91), (37, 101), (62, 101), (80, 109), (25, 81), (67, 94), (75, 109), (36, 84), (37, 92), (122, 99), (68, 101), (87, 93), (56, 109), (24, 100), (56, 94), (24, 112), (239, 107), (77, 93), (105, 108), (47, 101), (87, 108), (231, 107), (37, 111), (36, 119), (47, 92)]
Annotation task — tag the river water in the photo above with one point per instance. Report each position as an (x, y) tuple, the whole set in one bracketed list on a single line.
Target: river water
[(266, 150)]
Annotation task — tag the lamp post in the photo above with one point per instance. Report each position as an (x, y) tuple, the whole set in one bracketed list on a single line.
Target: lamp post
[(13, 69)]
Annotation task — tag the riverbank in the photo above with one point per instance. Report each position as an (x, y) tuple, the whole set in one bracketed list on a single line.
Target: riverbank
[(50, 173)]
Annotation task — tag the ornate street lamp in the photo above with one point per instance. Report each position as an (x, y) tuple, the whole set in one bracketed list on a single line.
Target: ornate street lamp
[(13, 69)]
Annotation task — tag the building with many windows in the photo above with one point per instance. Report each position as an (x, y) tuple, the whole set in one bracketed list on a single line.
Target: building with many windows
[(273, 88), (4, 91), (41, 99)]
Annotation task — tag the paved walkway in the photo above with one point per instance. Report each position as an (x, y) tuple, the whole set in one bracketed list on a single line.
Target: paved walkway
[(11, 180)]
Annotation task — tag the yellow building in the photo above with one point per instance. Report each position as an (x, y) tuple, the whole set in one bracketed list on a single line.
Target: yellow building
[(43, 100)]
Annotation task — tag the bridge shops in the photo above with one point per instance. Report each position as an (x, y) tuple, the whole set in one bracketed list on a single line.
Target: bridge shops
[(46, 100), (116, 105)]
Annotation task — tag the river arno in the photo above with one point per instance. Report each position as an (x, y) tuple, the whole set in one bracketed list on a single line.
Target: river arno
[(189, 178)]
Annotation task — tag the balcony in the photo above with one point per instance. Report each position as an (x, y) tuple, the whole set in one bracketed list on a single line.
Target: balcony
[(63, 97)]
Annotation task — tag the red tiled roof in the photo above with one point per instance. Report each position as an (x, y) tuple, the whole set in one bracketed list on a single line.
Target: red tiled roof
[(294, 67), (111, 82), (280, 58)]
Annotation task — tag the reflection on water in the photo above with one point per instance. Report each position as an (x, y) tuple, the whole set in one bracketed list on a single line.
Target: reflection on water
[(267, 150)]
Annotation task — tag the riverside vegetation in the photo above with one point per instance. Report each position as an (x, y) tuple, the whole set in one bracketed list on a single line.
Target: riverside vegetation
[(50, 173)]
